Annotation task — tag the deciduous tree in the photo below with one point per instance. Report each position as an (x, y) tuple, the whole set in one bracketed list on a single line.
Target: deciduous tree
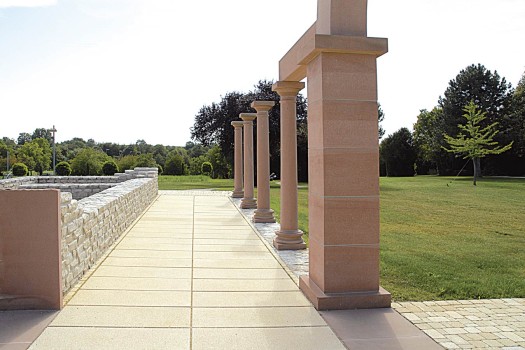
[(475, 141)]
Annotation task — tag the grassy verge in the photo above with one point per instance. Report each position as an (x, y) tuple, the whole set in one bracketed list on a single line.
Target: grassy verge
[(192, 182)]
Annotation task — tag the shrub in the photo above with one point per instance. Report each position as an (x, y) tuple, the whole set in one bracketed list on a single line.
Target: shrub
[(109, 168), (20, 169), (63, 169), (160, 169), (206, 168)]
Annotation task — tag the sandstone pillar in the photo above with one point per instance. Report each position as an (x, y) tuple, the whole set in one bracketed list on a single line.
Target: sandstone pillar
[(339, 61), (238, 173), (263, 212), (248, 201), (289, 237)]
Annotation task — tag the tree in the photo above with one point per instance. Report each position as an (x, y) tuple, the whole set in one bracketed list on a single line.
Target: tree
[(174, 164), (146, 161), (23, 137), (36, 154), (474, 141), (196, 164), (380, 118), (5, 150), (428, 140), (127, 162), (221, 168), (489, 92), (42, 134), (398, 154), (213, 123), (89, 161)]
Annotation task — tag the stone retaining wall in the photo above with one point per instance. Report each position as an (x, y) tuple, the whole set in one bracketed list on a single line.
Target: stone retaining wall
[(79, 186), (91, 225)]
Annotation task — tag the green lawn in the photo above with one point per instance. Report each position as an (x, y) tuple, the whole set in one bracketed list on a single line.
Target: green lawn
[(445, 239), (440, 238), (194, 182)]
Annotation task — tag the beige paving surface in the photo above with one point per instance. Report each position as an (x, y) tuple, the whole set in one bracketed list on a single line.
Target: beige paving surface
[(174, 284), (470, 324)]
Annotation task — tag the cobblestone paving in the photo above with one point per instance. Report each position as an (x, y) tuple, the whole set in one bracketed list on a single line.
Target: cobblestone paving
[(470, 324)]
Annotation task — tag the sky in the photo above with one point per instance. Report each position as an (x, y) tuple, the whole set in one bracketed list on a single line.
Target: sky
[(124, 70)]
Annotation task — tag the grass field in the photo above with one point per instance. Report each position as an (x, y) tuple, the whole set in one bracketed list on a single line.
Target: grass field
[(440, 238), (194, 182)]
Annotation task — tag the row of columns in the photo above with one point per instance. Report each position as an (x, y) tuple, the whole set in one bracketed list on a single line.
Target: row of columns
[(289, 236)]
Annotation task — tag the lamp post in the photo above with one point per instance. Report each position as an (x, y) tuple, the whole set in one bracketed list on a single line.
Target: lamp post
[(53, 131)]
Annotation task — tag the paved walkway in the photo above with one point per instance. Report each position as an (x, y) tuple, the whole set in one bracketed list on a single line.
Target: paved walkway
[(191, 274)]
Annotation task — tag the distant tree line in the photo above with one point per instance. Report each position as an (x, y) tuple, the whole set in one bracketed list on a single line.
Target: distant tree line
[(433, 148), (33, 152)]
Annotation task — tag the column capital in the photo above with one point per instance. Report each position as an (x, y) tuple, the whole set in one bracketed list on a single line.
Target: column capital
[(288, 88), (237, 124), (248, 117), (262, 106)]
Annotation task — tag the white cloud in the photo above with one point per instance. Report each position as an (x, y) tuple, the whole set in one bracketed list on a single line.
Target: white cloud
[(27, 3)]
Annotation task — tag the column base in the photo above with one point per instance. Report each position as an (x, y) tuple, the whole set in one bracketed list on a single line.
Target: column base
[(289, 240), (238, 194), (248, 203), (343, 301), (263, 216)]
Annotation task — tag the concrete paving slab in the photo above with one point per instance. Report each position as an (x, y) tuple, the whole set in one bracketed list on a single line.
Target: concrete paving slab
[(243, 274), (228, 241), (145, 262), (291, 338), (256, 317), (160, 234), (236, 263), (249, 299), (229, 236), (73, 338), (126, 283), (234, 255), (129, 245), (145, 241), (123, 317), (237, 285), (229, 248), (131, 298), (149, 272), (158, 254)]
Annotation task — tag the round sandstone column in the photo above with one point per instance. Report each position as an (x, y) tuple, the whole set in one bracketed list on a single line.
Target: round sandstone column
[(238, 173), (263, 213), (248, 201), (289, 237)]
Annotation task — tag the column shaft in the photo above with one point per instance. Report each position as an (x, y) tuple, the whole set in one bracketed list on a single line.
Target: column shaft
[(263, 212), (289, 236), (248, 201), (238, 173)]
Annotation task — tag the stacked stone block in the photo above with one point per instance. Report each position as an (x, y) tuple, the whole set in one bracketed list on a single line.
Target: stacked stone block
[(91, 225)]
